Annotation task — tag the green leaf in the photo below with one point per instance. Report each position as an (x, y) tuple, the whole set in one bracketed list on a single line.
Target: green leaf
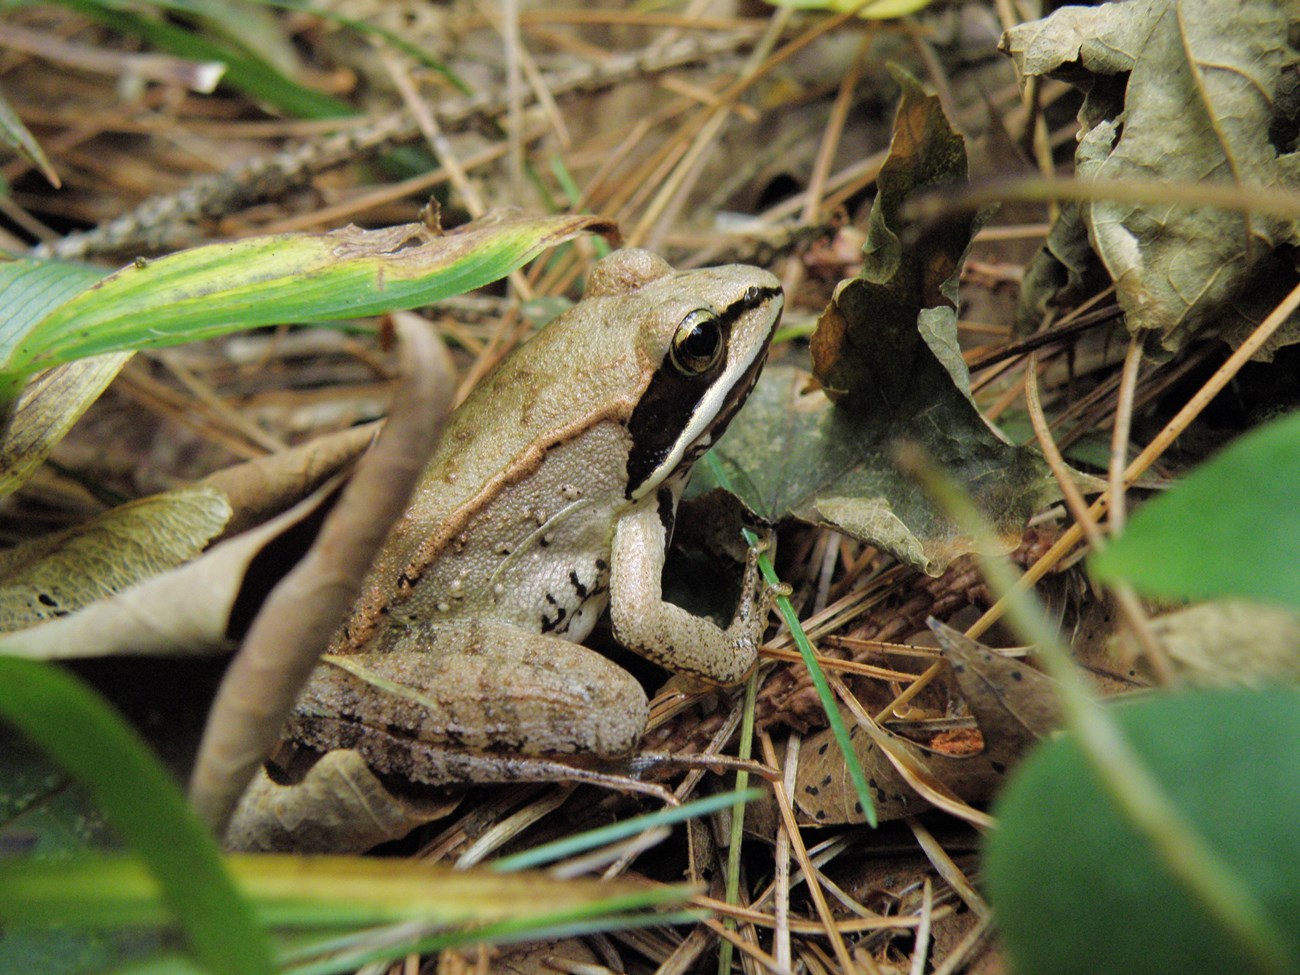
[(30, 290), (1078, 892), (1231, 528), (245, 72), (69, 722), (221, 288)]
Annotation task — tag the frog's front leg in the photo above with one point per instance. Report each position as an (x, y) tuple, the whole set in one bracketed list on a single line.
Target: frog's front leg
[(471, 701), (665, 633)]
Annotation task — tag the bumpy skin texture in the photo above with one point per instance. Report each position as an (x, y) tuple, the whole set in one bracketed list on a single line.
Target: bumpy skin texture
[(556, 480)]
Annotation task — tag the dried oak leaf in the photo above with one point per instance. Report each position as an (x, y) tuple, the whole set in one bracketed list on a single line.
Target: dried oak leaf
[(886, 353), (1187, 92)]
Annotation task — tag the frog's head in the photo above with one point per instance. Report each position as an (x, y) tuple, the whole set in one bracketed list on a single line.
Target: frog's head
[(703, 336)]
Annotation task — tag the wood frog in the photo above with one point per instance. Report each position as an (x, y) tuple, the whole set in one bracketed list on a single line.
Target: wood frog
[(552, 495)]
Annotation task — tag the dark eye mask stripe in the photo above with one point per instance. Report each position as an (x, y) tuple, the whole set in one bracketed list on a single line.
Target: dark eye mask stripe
[(671, 399)]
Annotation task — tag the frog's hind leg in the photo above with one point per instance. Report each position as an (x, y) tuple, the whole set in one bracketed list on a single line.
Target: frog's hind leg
[(448, 704)]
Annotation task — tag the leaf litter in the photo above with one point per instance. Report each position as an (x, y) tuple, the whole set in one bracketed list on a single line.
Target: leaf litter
[(854, 532)]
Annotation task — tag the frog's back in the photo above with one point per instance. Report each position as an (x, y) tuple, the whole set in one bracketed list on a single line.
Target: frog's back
[(543, 436), (514, 516)]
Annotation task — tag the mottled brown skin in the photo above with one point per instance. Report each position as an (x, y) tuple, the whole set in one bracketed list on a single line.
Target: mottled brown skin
[(550, 496)]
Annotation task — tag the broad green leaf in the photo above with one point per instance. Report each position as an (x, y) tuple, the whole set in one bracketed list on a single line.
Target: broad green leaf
[(886, 352), (1077, 892), (221, 288), (44, 814), (1186, 92), (60, 573), (1231, 528), (30, 290), (98, 749)]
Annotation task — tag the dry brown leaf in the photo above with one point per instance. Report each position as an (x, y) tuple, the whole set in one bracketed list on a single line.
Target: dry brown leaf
[(162, 617), (46, 411), (338, 805), (58, 574), (1014, 704), (263, 488), (1175, 92)]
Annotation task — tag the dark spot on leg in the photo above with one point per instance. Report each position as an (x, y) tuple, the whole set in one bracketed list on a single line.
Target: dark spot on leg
[(578, 587)]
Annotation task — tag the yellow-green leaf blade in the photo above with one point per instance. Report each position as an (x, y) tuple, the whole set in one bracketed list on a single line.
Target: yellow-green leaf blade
[(269, 280)]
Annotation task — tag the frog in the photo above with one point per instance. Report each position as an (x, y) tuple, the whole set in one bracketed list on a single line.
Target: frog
[(550, 498)]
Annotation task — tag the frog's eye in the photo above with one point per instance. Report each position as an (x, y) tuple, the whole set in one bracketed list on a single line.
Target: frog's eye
[(697, 343)]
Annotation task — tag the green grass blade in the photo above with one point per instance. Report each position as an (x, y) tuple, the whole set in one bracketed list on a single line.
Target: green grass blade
[(17, 137), (737, 839), (306, 893), (85, 737), (330, 913), (824, 693), (569, 846), (415, 52)]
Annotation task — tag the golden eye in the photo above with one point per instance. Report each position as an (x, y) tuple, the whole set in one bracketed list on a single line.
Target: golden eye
[(697, 343)]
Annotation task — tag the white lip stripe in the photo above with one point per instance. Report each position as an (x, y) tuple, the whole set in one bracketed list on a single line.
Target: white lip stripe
[(705, 412)]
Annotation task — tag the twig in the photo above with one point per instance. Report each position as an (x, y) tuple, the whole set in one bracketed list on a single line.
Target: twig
[(1126, 599), (1122, 427), (200, 76), (159, 221)]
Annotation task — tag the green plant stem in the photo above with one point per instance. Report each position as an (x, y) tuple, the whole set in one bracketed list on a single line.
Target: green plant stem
[(571, 845)]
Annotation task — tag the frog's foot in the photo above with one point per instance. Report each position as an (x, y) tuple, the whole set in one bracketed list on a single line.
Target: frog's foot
[(751, 582)]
